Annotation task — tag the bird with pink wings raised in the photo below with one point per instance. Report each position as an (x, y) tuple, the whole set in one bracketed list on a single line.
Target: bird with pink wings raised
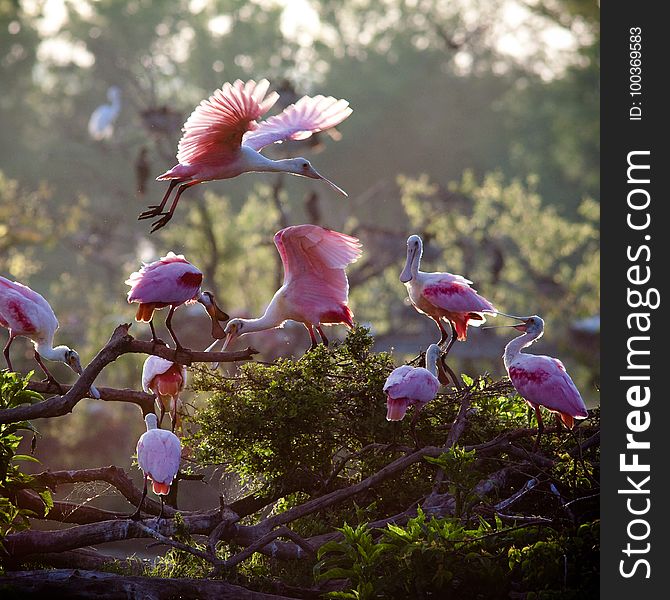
[(158, 455), (171, 281), (315, 290), (165, 379), (222, 139), (412, 386), (443, 297), (541, 380), (25, 313)]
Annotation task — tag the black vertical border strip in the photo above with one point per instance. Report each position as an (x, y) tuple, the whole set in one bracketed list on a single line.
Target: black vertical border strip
[(619, 136)]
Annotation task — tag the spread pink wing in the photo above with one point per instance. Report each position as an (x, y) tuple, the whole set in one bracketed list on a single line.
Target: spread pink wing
[(543, 380), (453, 293), (215, 128), (313, 251), (416, 384), (299, 121), (170, 279)]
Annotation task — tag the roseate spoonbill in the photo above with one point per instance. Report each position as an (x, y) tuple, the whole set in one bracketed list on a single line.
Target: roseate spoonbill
[(315, 290), (171, 281), (222, 139), (101, 123), (26, 313), (541, 380), (165, 379), (443, 296), (412, 386), (158, 454)]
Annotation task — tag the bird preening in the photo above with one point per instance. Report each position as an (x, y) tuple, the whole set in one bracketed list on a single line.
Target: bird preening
[(223, 138)]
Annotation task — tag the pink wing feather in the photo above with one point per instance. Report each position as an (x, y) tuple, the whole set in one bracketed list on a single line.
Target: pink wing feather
[(159, 455), (298, 121), (416, 384), (314, 250), (168, 280), (543, 380), (215, 128), (453, 293)]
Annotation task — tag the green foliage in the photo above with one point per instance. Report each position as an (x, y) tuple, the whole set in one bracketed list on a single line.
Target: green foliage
[(457, 465), (442, 558), (287, 423), (13, 393)]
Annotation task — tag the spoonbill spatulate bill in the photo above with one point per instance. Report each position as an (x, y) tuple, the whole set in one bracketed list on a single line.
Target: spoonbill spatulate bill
[(222, 139), (25, 313)]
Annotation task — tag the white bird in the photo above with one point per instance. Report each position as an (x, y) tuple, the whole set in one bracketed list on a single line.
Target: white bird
[(159, 455), (101, 123)]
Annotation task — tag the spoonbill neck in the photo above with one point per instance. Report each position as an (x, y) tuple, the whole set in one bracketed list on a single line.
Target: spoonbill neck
[(255, 161), (431, 360), (513, 348), (270, 319), (46, 350)]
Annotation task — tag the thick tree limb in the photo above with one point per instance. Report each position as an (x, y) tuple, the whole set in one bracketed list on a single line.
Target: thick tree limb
[(142, 399), (96, 585), (121, 342)]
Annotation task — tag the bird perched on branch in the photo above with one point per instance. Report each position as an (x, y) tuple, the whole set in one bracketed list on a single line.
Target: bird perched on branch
[(315, 289), (165, 379), (101, 123), (159, 455), (443, 297), (541, 380), (412, 386), (25, 313), (222, 139), (171, 281)]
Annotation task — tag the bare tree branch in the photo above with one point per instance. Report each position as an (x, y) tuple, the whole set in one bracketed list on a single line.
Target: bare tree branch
[(121, 342)]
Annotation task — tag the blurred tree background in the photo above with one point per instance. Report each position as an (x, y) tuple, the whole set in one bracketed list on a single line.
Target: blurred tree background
[(475, 124)]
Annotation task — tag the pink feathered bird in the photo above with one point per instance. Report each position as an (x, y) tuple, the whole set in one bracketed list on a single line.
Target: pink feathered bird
[(222, 138), (159, 455), (25, 313), (443, 296), (542, 380), (171, 281), (165, 379), (412, 386), (315, 290)]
